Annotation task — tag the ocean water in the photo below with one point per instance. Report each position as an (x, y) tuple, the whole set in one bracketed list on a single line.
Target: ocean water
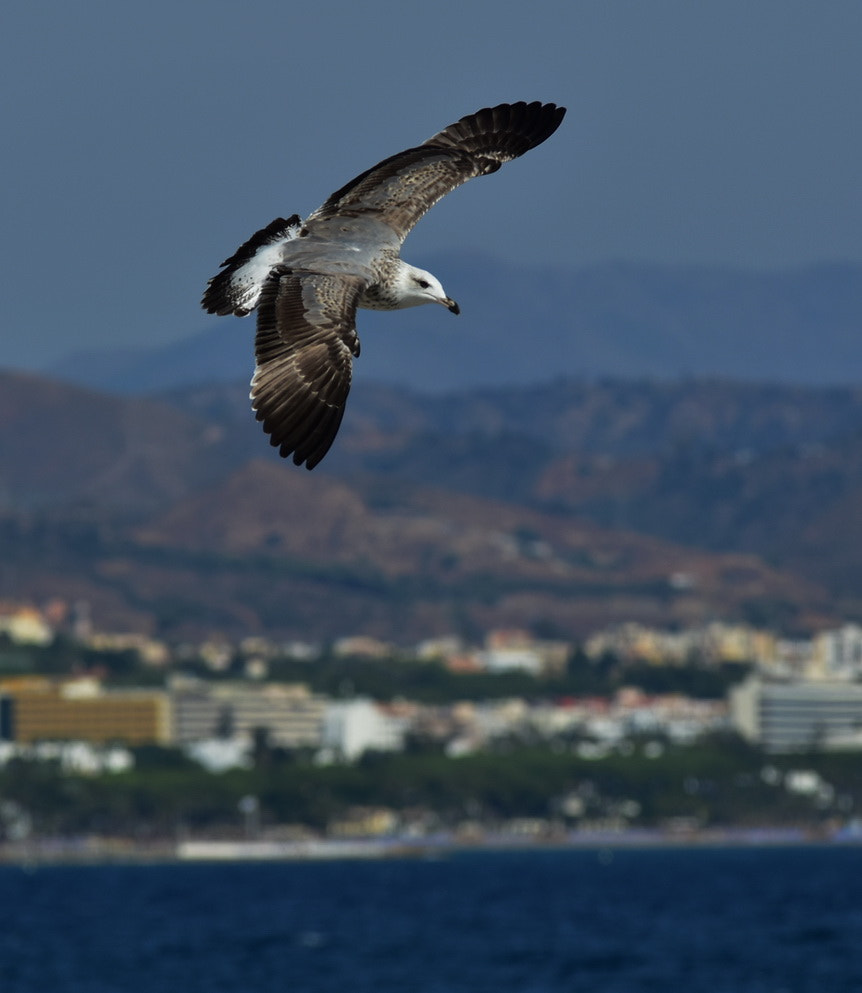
[(759, 920)]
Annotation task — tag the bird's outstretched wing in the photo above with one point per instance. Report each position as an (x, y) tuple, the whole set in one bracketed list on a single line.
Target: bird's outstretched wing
[(400, 189), (305, 344)]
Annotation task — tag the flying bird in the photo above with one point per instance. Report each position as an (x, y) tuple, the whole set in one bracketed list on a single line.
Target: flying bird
[(307, 278)]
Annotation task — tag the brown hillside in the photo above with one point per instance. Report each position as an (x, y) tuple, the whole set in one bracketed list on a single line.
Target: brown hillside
[(61, 443)]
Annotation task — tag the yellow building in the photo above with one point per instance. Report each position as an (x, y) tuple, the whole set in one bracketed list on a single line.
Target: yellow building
[(38, 709)]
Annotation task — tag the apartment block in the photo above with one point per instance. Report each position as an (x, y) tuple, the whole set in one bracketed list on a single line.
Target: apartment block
[(798, 715), (39, 709), (291, 714)]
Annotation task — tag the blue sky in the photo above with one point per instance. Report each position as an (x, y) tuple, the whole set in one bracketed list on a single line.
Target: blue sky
[(143, 142)]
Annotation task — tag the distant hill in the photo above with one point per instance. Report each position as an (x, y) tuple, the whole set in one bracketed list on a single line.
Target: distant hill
[(524, 326), (62, 445), (559, 507), (797, 507), (270, 550)]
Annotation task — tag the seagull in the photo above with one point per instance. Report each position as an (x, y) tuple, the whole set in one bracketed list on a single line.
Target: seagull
[(307, 278)]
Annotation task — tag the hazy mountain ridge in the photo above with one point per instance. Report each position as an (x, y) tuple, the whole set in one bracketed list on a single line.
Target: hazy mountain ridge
[(523, 325), (173, 513), (797, 507), (306, 556), (61, 444)]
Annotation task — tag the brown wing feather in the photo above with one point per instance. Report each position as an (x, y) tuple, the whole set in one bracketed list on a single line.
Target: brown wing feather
[(306, 340), (400, 189)]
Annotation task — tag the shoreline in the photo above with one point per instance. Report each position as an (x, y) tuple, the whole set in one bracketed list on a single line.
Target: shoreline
[(104, 851)]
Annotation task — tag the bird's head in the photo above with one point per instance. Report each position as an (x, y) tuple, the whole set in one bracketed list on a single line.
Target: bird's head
[(416, 286)]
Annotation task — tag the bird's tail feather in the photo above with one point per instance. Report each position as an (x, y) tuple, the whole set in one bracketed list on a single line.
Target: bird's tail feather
[(237, 288)]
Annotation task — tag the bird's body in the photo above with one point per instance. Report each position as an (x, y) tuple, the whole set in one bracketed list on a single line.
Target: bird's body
[(307, 278)]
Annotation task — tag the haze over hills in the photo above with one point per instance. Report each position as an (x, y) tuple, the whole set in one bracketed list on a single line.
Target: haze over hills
[(560, 508), (528, 325)]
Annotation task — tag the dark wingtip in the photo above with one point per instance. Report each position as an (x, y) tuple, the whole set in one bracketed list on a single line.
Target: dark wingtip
[(538, 120), (503, 132)]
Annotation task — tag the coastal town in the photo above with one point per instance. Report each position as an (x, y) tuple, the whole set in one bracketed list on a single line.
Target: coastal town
[(233, 708), (232, 693)]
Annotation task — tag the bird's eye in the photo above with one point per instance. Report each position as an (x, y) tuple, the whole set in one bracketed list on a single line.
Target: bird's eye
[(423, 283)]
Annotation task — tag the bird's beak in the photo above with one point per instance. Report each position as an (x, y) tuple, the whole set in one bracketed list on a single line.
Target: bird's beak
[(453, 307)]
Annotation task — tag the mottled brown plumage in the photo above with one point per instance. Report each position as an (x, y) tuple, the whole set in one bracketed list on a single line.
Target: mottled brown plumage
[(402, 188), (302, 378), (307, 279)]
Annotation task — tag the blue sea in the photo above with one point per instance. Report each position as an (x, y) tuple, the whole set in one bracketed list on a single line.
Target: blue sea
[(753, 920)]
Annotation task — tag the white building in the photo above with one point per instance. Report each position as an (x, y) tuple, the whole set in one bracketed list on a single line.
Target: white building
[(355, 726), (291, 714), (839, 652), (25, 626), (795, 716), (79, 757), (511, 659)]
